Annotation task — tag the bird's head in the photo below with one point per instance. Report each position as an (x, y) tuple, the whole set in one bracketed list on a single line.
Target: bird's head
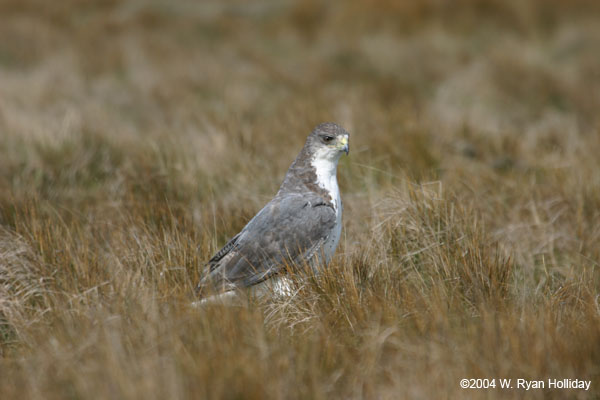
[(318, 159), (328, 141)]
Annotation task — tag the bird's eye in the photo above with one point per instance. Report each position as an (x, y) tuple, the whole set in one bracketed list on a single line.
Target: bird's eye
[(327, 138)]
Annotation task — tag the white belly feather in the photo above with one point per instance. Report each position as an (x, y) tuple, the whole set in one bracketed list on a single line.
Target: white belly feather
[(326, 178), (332, 241)]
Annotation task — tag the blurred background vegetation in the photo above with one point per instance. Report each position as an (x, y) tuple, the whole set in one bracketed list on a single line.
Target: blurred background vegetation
[(137, 136)]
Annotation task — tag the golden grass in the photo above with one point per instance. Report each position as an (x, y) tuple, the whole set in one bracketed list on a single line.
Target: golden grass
[(137, 137)]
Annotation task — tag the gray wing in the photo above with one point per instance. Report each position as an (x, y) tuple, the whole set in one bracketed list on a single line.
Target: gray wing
[(289, 229)]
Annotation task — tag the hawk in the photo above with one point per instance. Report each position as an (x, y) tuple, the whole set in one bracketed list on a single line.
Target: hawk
[(300, 226)]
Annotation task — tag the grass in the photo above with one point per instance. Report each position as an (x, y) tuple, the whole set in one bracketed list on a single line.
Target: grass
[(137, 137)]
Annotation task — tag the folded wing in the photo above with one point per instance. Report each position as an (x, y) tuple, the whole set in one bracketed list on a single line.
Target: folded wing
[(288, 230)]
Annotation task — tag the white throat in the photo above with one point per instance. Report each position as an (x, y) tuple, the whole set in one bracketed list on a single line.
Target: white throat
[(326, 171)]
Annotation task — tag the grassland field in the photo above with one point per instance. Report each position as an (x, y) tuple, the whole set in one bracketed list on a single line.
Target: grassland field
[(136, 137)]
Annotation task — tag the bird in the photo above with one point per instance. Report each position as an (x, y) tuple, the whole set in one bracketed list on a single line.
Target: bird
[(299, 227)]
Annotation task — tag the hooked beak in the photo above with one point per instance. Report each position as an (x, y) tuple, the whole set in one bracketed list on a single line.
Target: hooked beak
[(344, 144)]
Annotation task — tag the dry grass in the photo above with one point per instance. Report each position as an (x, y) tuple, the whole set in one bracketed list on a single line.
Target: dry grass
[(136, 137)]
